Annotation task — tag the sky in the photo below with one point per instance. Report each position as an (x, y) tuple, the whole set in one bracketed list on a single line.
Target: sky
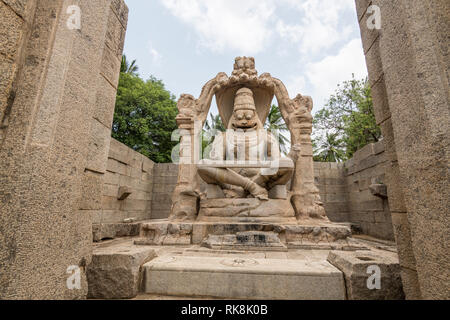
[(311, 45)]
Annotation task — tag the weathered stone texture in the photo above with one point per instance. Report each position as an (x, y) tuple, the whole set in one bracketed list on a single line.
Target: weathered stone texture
[(114, 272), (44, 146), (355, 267), (243, 278), (126, 171), (364, 172), (412, 56)]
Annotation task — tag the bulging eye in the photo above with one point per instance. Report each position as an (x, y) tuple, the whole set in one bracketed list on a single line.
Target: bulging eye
[(240, 116), (248, 116)]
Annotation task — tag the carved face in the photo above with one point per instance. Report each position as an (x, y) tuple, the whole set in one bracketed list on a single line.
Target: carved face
[(245, 120)]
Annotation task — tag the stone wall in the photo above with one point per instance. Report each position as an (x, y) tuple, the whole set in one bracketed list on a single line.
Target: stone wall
[(165, 176), (365, 175), (57, 93), (128, 174), (330, 179), (408, 64)]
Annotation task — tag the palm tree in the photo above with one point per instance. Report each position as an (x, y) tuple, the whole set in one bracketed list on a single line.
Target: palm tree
[(216, 123), (128, 68), (210, 130), (331, 150), (275, 121)]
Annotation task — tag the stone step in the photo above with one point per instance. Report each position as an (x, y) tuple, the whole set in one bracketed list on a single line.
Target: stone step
[(243, 278)]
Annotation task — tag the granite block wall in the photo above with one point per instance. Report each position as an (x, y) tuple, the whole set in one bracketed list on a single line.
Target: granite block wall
[(408, 64), (57, 92), (368, 210), (130, 174)]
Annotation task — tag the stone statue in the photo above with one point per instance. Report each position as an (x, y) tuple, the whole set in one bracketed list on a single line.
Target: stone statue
[(245, 127), (247, 179)]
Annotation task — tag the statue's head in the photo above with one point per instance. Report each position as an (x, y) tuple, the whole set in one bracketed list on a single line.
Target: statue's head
[(244, 113)]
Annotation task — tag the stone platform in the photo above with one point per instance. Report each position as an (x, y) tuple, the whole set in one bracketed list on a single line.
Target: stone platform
[(244, 278), (309, 234), (246, 210), (122, 270)]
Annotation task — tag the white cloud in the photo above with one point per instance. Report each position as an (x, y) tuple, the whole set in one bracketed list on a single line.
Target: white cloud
[(324, 76), (320, 25), (239, 25), (155, 55)]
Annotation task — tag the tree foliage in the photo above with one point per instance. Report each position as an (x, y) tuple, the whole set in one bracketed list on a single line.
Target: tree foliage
[(127, 67), (346, 123), (145, 116), (275, 121)]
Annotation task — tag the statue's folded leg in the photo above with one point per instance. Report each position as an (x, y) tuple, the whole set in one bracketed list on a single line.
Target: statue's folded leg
[(282, 178), (227, 176)]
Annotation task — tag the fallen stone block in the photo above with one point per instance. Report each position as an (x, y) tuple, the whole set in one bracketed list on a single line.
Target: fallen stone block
[(114, 272), (369, 275)]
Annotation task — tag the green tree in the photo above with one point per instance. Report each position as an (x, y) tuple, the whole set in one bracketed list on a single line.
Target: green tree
[(330, 150), (130, 68), (216, 123), (145, 117), (275, 121), (210, 130), (347, 121)]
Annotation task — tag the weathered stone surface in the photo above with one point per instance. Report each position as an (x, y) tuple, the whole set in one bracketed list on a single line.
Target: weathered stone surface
[(379, 190), (241, 278), (244, 103), (127, 185), (356, 268), (245, 209), (249, 240), (114, 272), (103, 231), (44, 151), (124, 192), (412, 54), (165, 233)]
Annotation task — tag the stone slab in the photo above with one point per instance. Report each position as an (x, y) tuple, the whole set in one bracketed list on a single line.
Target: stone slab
[(114, 272), (244, 278), (355, 266)]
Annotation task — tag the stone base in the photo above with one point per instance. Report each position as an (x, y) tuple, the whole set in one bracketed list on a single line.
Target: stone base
[(310, 234), (246, 210), (244, 278), (250, 240)]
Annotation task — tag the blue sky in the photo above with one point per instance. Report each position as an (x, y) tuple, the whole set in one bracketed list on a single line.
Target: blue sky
[(311, 45)]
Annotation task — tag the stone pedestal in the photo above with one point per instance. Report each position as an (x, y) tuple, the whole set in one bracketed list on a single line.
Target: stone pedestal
[(249, 235), (246, 210)]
